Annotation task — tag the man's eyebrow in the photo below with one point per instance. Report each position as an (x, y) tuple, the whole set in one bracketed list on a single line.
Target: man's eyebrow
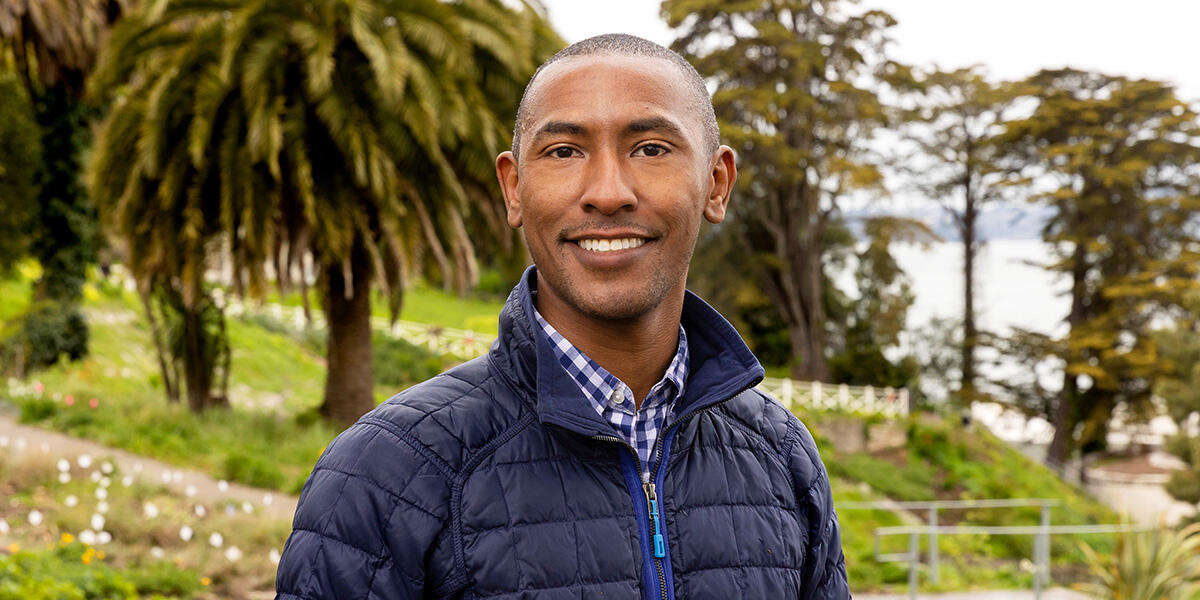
[(559, 128), (661, 124)]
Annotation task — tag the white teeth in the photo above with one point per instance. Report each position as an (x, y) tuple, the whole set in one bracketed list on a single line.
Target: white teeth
[(610, 245)]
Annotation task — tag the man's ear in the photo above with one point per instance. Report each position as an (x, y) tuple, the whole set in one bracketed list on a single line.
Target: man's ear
[(506, 173), (724, 174)]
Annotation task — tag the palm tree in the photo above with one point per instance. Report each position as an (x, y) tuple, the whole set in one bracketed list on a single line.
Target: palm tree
[(350, 131)]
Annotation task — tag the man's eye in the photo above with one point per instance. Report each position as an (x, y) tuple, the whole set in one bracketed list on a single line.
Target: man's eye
[(651, 150), (562, 152)]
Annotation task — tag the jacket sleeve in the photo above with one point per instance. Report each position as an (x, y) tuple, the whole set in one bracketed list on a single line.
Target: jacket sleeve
[(367, 522), (824, 564)]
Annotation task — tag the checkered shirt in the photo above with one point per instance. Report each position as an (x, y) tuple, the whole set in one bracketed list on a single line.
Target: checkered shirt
[(613, 400)]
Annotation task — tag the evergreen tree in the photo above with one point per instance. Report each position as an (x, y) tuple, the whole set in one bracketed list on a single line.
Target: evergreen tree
[(797, 98), (1115, 159), (956, 121)]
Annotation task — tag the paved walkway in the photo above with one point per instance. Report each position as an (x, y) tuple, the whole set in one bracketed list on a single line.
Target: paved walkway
[(19, 438), (1050, 594)]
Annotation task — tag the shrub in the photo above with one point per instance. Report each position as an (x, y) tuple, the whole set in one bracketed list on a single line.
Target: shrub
[(48, 332), (401, 364), (252, 469), (1160, 564)]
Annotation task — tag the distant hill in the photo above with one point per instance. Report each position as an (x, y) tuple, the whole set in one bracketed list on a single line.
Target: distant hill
[(1001, 221)]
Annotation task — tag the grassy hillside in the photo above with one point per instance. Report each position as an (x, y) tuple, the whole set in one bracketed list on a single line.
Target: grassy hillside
[(943, 460), (271, 440)]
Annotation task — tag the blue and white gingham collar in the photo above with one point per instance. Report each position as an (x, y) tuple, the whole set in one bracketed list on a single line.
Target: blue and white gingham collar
[(613, 400)]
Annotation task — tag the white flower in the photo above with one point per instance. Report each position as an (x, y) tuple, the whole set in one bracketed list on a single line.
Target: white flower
[(64, 465), (101, 494), (190, 491), (84, 461), (95, 476), (268, 499), (233, 554), (137, 467), (64, 478), (166, 477), (3, 441), (185, 533), (223, 485), (107, 467), (103, 537), (35, 517), (177, 476), (97, 521), (127, 480), (150, 510), (4, 526), (216, 539), (274, 556), (87, 536), (247, 507), (105, 482), (71, 501), (157, 552), (102, 507), (200, 511)]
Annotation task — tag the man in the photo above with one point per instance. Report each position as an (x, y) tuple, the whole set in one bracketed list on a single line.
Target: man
[(611, 444)]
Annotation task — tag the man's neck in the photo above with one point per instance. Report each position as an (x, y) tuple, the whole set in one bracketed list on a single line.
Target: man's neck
[(636, 351)]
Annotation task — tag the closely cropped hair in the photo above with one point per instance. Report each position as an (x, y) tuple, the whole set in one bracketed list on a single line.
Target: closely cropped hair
[(621, 44)]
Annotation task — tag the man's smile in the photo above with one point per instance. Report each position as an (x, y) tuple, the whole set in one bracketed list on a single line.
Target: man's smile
[(607, 245)]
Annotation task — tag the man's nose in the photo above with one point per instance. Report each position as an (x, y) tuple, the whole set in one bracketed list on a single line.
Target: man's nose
[(607, 185)]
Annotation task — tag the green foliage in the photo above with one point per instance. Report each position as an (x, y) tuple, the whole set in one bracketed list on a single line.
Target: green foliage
[(60, 574), (361, 136), (1160, 564), (48, 332), (911, 481), (250, 469), (1121, 155), (401, 364), (20, 162), (797, 97)]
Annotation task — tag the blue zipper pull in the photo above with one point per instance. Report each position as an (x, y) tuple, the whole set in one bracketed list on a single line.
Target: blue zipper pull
[(660, 550)]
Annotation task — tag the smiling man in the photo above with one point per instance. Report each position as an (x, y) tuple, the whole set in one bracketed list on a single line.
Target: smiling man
[(611, 444)]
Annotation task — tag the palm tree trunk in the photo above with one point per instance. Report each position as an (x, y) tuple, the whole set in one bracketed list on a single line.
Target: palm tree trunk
[(349, 379)]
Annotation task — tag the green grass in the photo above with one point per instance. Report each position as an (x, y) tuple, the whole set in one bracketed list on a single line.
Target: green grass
[(425, 305), (276, 382), (942, 461)]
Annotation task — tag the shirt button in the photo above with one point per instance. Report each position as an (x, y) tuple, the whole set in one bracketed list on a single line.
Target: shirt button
[(618, 397)]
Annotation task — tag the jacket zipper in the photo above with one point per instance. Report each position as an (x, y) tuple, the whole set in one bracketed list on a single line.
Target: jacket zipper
[(658, 540)]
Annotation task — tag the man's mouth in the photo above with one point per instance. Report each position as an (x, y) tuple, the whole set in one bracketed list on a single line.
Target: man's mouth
[(606, 245)]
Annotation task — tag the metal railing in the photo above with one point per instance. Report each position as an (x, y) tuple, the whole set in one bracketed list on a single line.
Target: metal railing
[(1041, 533)]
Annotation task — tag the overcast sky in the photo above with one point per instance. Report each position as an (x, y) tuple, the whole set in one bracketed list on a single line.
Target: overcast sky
[(1147, 38)]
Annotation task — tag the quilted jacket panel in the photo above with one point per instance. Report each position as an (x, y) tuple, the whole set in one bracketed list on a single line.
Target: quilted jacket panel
[(497, 480)]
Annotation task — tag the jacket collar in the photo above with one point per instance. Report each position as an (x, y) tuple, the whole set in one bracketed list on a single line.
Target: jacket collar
[(721, 364)]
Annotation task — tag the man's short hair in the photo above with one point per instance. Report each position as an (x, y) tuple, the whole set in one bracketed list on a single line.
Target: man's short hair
[(622, 44)]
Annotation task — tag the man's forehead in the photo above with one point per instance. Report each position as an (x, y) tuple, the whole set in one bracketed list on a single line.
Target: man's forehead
[(587, 87)]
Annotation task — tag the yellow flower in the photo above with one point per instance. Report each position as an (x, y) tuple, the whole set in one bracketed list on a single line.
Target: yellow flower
[(86, 558), (14, 548), (100, 555), (205, 581), (67, 538)]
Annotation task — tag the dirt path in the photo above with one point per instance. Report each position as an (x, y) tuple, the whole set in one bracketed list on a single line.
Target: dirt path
[(24, 438)]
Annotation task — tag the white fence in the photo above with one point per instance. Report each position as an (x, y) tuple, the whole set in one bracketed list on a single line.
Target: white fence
[(888, 402), (464, 344)]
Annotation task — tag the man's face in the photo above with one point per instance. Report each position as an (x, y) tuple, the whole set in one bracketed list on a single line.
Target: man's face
[(613, 180)]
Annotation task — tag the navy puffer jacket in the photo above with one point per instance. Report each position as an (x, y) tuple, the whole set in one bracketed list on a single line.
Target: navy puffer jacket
[(498, 480)]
